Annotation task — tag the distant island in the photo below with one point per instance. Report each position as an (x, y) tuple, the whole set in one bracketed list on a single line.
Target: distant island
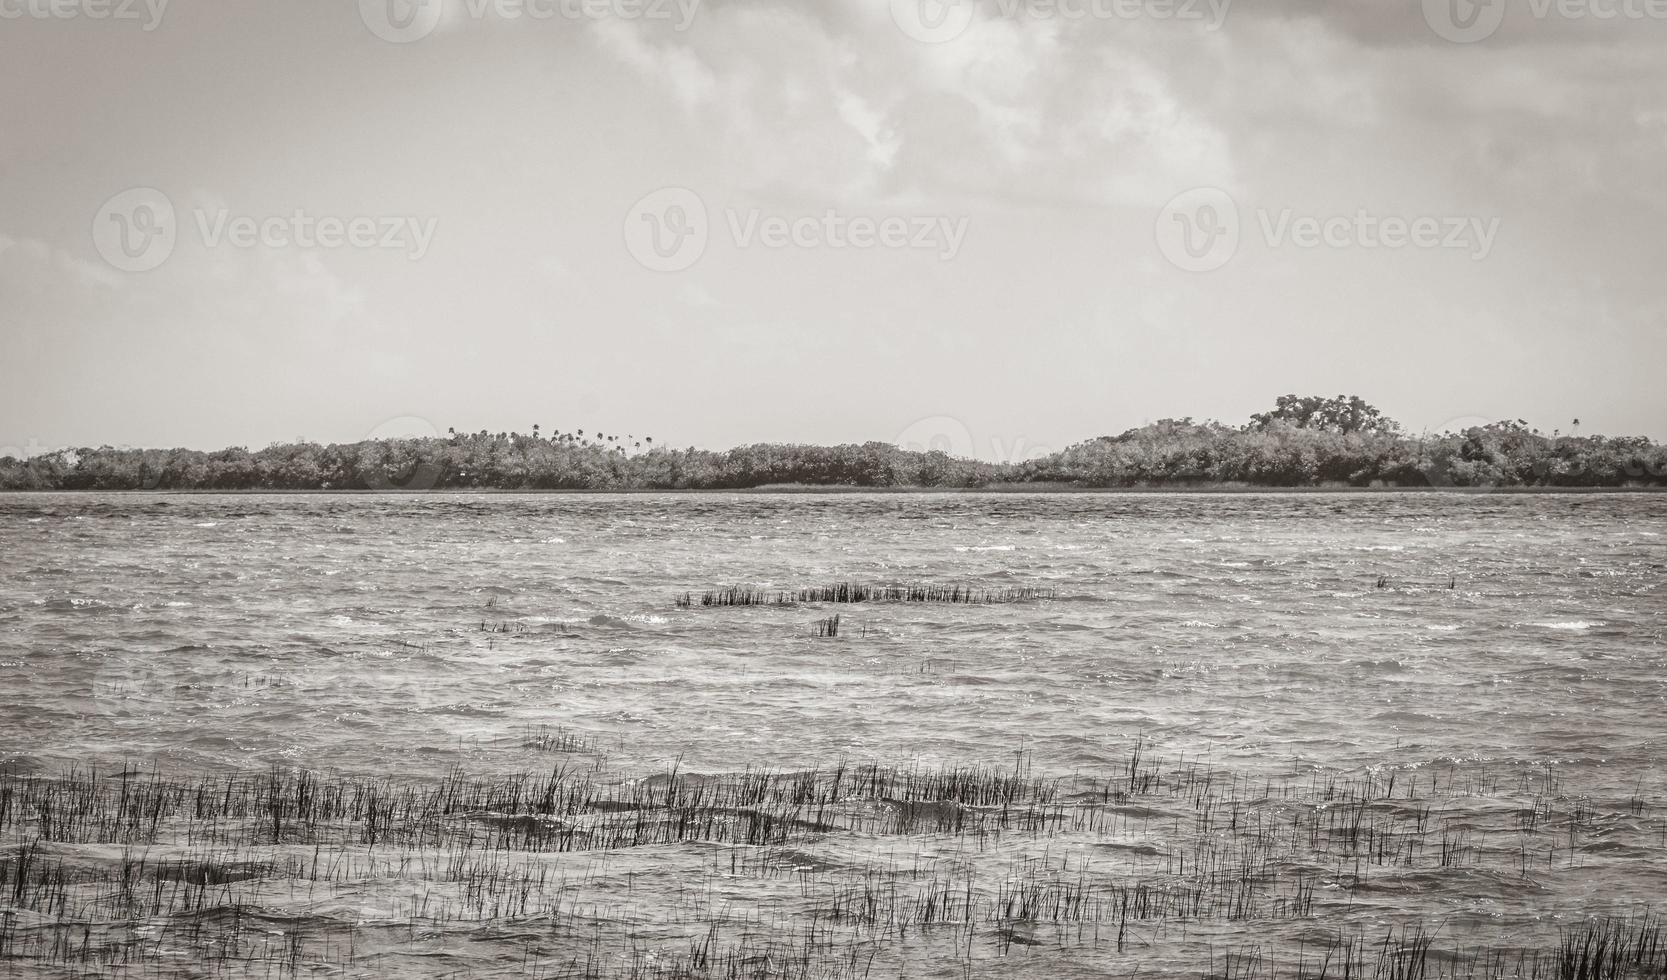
[(1308, 441)]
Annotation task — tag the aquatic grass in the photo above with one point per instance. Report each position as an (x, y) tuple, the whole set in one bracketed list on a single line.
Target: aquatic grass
[(854, 592), (503, 627), (1383, 583), (851, 867), (555, 738), (1613, 949)]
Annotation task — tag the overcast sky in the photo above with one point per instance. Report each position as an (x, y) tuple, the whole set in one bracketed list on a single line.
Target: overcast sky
[(844, 220)]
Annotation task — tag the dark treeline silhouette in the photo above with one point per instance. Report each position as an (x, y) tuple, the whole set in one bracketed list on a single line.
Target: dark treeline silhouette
[(1303, 442)]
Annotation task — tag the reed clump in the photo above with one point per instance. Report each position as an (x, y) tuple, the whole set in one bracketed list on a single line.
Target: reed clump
[(555, 738), (855, 592)]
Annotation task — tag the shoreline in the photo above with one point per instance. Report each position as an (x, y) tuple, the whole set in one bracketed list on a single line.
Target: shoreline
[(1224, 489)]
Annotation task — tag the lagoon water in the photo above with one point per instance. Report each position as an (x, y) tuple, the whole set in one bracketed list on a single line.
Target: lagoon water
[(1509, 649)]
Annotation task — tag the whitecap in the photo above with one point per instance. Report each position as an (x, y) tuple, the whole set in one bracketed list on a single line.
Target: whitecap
[(207, 524), (1440, 628), (1573, 624)]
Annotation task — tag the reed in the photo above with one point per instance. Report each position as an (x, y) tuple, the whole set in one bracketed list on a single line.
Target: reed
[(845, 871), (555, 738), (854, 592)]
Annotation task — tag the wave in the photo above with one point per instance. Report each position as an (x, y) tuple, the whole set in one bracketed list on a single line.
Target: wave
[(76, 605)]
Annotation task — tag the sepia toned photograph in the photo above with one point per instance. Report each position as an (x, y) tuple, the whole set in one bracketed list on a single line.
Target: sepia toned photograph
[(833, 489)]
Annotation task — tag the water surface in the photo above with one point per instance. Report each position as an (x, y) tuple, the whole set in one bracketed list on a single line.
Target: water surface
[(1270, 636)]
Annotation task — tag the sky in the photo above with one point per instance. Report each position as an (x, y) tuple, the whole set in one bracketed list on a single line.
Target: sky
[(995, 226)]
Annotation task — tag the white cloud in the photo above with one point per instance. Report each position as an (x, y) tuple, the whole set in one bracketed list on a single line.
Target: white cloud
[(1012, 111), (29, 258)]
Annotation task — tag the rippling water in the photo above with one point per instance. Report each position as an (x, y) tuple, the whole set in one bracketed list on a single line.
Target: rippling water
[(1267, 635)]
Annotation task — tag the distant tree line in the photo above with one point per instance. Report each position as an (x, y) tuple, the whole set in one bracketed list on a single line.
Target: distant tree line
[(1302, 442)]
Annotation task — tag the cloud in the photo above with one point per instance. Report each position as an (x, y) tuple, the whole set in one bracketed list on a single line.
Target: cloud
[(241, 295), (748, 75), (1015, 111), (30, 264)]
